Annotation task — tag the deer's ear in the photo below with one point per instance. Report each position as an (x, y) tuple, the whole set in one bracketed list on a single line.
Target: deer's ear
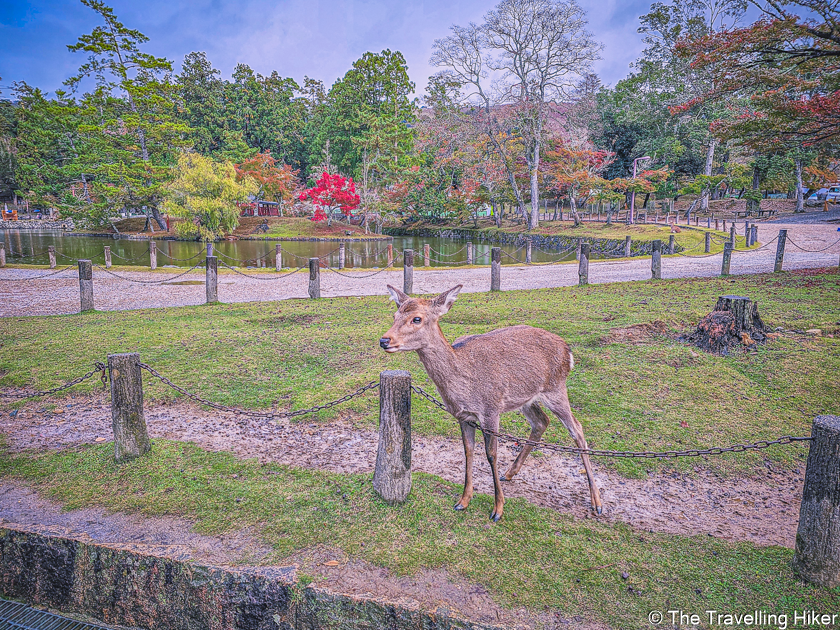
[(445, 300), (398, 296)]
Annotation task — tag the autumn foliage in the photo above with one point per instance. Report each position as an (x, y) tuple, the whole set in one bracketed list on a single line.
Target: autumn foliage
[(332, 192)]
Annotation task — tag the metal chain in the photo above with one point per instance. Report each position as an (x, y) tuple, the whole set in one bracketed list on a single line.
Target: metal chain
[(327, 255), (504, 437), (98, 367), (162, 253), (148, 249), (257, 414), (369, 275), (434, 251), (812, 251), (116, 275), (280, 277), (43, 275)]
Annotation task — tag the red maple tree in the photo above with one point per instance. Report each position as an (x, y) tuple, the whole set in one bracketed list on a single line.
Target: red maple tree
[(332, 192)]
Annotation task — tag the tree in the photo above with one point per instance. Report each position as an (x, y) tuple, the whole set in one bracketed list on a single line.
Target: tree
[(332, 192), (578, 173), (525, 54), (202, 92), (138, 132), (205, 193), (277, 183)]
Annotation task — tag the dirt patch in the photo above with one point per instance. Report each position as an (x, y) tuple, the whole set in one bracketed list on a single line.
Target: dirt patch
[(763, 509), (637, 333), (167, 537)]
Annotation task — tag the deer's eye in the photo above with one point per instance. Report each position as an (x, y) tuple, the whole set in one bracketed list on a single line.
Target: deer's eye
[(416, 320)]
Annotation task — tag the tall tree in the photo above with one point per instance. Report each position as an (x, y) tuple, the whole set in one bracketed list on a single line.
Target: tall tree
[(139, 128), (525, 54), (202, 92)]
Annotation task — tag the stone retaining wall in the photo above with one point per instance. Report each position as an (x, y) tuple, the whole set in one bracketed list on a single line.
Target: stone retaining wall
[(43, 224), (543, 241), (123, 587)]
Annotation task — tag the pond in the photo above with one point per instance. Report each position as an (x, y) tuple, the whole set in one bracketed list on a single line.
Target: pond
[(30, 247)]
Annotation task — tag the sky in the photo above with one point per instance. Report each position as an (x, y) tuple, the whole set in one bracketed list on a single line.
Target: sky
[(316, 38)]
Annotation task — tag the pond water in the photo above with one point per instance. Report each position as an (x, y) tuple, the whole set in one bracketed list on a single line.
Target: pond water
[(30, 247)]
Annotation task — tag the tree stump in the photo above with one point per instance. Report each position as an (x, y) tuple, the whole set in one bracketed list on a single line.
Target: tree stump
[(392, 474), (734, 321)]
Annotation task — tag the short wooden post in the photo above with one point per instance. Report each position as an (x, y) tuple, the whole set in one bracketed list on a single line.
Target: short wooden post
[(696, 219), (469, 253), (656, 218), (152, 254), (724, 225), (390, 254), (709, 222), (2, 254), (408, 271), (727, 258), (86, 285), (392, 473), (747, 233), (209, 249), (583, 265), (131, 438), (656, 261), (314, 278), (211, 279), (278, 257), (628, 242), (341, 255), (753, 234), (717, 225), (51, 253), (732, 234), (107, 257), (577, 250), (708, 246), (672, 244), (780, 251), (496, 269), (528, 251), (425, 254), (817, 552)]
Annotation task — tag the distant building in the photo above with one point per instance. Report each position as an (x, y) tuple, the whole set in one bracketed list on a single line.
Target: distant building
[(259, 209)]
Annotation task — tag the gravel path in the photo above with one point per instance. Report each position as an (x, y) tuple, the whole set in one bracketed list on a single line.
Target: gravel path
[(31, 292)]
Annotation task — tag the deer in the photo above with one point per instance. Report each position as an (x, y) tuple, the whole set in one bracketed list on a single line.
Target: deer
[(483, 376)]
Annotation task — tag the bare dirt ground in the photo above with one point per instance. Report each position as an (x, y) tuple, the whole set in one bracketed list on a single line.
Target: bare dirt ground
[(762, 510), (23, 292)]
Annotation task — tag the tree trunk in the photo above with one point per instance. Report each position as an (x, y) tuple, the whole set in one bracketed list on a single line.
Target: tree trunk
[(734, 321), (800, 201), (644, 205), (534, 220), (573, 210), (710, 156)]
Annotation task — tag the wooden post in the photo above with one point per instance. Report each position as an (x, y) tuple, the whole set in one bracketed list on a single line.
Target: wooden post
[(107, 257), (496, 269), (817, 553), (131, 438), (528, 251), (86, 285), (51, 252), (152, 254), (425, 254), (628, 241), (656, 218), (708, 247), (392, 473), (732, 234), (747, 233), (390, 254), (724, 225), (209, 249), (583, 266), (408, 271), (211, 279), (696, 219), (341, 255), (314, 278), (717, 225), (672, 244), (278, 257), (577, 251), (709, 222), (469, 253), (780, 251), (727, 258), (656, 261), (2, 254), (753, 234)]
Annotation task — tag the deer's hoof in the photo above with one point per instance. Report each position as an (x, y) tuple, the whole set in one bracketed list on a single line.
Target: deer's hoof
[(459, 508), (495, 516), (599, 510)]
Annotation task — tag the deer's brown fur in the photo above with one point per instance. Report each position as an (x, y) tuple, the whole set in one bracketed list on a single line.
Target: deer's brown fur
[(482, 376)]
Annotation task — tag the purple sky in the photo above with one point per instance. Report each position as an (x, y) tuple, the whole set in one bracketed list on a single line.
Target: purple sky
[(318, 38)]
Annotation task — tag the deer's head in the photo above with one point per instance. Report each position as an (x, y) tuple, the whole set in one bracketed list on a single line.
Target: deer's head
[(416, 320)]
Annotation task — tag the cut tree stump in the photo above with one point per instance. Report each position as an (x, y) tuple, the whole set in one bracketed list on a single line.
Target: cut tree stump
[(734, 322)]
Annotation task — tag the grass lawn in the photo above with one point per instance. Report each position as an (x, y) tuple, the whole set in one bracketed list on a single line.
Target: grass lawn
[(302, 227), (656, 395)]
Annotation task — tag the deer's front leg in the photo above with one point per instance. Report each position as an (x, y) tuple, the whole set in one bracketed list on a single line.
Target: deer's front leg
[(491, 445), (468, 436)]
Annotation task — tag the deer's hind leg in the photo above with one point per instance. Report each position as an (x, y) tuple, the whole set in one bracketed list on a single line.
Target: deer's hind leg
[(559, 404), (468, 436), (539, 422)]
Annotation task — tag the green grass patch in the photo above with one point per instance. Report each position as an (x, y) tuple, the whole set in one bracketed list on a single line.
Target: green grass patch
[(534, 557), (658, 395)]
